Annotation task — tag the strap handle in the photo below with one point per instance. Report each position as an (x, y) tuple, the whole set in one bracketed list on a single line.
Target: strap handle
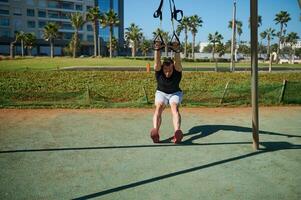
[(160, 39), (170, 44)]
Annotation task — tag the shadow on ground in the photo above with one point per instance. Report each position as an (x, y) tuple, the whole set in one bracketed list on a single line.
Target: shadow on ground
[(195, 133)]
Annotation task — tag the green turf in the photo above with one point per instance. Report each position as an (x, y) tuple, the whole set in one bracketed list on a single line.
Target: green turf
[(46, 63)]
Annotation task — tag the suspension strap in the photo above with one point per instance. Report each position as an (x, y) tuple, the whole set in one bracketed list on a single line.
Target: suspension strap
[(158, 12), (174, 16)]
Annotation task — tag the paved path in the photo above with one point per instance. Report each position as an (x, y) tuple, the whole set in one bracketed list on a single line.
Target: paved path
[(204, 69), (107, 154)]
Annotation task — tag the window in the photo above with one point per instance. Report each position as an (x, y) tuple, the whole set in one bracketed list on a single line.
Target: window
[(116, 32), (53, 14), (42, 24), (67, 5), (65, 15), (4, 12), (4, 22), (89, 27), (42, 3), (67, 36), (17, 23), (78, 7), (90, 38), (30, 12), (30, 2), (31, 24), (89, 7), (67, 26), (42, 13), (115, 6), (17, 11), (53, 4), (104, 5), (4, 33)]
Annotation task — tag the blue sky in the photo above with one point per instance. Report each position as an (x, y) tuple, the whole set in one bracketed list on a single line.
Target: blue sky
[(216, 15)]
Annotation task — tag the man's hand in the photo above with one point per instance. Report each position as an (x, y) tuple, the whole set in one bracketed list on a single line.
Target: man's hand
[(175, 46), (158, 45)]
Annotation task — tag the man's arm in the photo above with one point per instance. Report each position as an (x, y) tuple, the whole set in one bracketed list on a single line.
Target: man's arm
[(157, 57), (177, 56), (177, 60)]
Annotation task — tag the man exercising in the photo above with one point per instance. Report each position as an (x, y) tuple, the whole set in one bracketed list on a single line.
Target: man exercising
[(168, 75)]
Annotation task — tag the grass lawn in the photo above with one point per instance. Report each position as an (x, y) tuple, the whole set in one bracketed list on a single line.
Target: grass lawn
[(45, 63), (73, 89)]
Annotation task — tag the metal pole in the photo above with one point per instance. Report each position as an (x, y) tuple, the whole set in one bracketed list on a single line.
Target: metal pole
[(233, 43), (254, 71)]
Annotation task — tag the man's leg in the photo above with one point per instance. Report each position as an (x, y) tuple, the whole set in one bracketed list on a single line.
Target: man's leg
[(157, 119), (175, 101), (176, 116)]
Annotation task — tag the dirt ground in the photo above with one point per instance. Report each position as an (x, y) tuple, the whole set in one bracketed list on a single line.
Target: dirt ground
[(107, 154)]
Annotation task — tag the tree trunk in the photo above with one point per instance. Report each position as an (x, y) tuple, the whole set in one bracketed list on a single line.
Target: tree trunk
[(269, 48), (30, 51), (12, 49), (185, 49), (213, 51), (134, 50), (95, 38), (294, 52), (22, 48), (193, 43), (111, 33), (51, 48), (75, 44), (279, 42)]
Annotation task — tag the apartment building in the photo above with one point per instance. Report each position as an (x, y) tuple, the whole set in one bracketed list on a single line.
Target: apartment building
[(33, 15)]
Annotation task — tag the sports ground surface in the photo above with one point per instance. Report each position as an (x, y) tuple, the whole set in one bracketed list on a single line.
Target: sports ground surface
[(107, 154)]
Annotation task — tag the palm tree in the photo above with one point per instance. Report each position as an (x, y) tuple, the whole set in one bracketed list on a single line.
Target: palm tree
[(51, 31), (215, 39), (292, 39), (12, 45), (145, 46), (77, 21), (195, 23), (109, 19), (165, 36), (269, 34), (238, 27), (113, 44), (22, 37), (133, 35), (281, 18), (184, 26), (30, 42), (93, 16)]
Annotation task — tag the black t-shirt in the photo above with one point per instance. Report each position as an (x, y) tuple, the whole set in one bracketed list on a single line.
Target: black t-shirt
[(168, 85)]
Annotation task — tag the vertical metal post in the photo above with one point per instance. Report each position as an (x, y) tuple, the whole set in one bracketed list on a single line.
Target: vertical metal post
[(254, 71), (233, 43)]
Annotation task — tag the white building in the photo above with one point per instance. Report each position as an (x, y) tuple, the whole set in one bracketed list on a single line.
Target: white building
[(203, 45)]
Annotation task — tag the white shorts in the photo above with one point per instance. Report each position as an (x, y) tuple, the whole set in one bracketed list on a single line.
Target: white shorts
[(161, 97)]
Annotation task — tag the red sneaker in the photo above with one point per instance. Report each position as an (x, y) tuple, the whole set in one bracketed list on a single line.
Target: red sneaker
[(155, 135), (178, 136)]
